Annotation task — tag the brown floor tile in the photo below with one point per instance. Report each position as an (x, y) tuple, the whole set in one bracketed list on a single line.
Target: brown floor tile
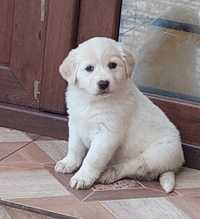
[(14, 213), (119, 190), (124, 194), (64, 179), (18, 166), (189, 204), (7, 148), (68, 206), (29, 153), (152, 208)]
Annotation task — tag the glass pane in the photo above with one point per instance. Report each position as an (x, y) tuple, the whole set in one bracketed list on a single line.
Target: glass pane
[(164, 36)]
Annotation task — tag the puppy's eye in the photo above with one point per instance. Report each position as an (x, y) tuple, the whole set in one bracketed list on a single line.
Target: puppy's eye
[(89, 68), (112, 65)]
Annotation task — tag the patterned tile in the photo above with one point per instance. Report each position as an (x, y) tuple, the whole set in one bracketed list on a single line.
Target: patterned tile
[(123, 189), (122, 184), (120, 190)]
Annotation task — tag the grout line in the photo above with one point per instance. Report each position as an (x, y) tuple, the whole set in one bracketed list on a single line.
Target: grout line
[(87, 196), (23, 146), (39, 211), (108, 209)]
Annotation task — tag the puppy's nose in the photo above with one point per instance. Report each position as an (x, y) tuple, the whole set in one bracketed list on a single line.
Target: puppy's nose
[(103, 84)]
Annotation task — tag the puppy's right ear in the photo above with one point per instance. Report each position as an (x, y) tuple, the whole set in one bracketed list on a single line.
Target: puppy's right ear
[(68, 69), (127, 58)]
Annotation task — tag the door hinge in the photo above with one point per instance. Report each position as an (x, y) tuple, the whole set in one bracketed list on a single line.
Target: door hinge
[(36, 90), (42, 14)]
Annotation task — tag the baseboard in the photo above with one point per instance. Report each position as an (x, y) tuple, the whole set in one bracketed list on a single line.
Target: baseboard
[(192, 156), (29, 120)]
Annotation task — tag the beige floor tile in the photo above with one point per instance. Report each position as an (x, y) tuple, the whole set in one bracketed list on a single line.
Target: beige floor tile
[(188, 178), (152, 208), (12, 135), (189, 204), (4, 214), (29, 184), (56, 149)]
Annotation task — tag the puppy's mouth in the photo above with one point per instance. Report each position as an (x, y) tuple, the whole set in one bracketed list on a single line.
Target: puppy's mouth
[(103, 93)]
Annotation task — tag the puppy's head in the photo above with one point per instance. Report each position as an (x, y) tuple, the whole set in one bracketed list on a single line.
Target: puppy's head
[(99, 66)]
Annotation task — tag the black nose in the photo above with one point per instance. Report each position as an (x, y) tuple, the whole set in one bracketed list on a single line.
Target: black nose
[(103, 84)]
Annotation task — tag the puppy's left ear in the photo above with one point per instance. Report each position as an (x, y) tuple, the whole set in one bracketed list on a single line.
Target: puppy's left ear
[(69, 67), (128, 60)]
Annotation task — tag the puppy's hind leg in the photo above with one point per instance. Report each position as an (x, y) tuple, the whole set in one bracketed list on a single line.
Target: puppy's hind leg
[(136, 168)]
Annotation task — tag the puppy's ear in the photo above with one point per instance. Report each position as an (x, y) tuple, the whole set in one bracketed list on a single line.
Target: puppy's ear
[(128, 60), (69, 67)]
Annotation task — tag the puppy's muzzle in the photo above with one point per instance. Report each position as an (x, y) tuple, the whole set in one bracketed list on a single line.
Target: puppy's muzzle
[(103, 84)]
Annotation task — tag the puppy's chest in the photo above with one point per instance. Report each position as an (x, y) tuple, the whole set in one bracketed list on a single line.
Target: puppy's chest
[(88, 125)]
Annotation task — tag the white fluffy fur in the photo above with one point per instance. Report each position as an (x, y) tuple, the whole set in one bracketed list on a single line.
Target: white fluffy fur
[(118, 134)]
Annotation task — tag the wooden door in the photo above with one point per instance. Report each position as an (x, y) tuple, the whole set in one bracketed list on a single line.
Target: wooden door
[(35, 35), (61, 36), (21, 49)]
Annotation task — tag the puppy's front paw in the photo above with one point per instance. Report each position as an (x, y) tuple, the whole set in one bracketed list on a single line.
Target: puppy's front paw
[(83, 180), (67, 165)]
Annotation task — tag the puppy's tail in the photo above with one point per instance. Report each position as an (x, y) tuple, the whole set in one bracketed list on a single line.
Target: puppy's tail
[(167, 181)]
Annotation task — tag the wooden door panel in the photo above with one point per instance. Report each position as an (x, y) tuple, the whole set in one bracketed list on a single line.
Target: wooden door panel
[(99, 18), (61, 36), (17, 77), (6, 19)]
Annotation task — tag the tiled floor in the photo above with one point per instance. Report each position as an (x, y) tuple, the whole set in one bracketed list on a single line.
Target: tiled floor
[(29, 187)]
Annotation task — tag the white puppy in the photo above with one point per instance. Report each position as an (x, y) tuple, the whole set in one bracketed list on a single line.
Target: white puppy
[(114, 130)]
